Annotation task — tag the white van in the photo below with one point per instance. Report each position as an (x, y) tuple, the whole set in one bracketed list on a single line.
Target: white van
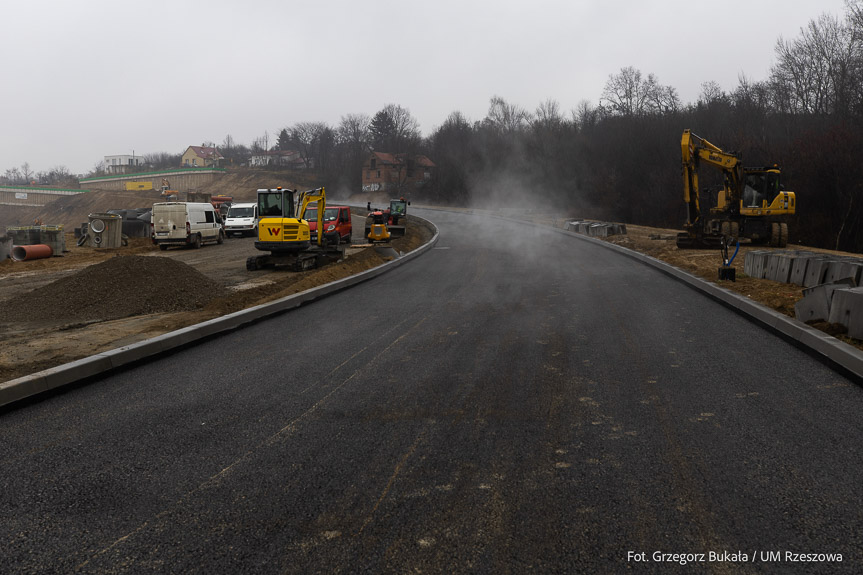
[(242, 219), (185, 224)]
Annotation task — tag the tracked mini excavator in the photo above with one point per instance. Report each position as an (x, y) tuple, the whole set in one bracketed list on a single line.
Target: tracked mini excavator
[(751, 204), (283, 231)]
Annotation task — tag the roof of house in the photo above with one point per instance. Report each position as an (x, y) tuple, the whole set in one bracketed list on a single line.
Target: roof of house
[(395, 159), (205, 152), (385, 158)]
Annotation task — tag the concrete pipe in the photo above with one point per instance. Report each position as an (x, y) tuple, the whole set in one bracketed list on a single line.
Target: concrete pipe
[(34, 252)]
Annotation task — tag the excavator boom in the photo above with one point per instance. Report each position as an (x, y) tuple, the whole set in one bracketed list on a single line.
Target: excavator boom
[(750, 204)]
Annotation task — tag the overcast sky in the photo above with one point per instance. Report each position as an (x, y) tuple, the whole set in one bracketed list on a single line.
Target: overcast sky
[(82, 80)]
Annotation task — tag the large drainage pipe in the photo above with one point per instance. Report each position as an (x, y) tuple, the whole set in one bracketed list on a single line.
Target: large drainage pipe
[(34, 252)]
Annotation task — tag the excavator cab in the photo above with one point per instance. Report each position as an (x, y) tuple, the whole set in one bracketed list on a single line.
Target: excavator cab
[(279, 229)]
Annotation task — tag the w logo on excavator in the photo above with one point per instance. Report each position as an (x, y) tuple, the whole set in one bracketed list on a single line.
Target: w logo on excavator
[(274, 231)]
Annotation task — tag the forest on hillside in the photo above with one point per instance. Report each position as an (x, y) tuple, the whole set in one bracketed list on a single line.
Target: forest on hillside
[(620, 160)]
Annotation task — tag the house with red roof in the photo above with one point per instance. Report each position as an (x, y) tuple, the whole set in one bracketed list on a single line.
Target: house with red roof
[(201, 156), (398, 174)]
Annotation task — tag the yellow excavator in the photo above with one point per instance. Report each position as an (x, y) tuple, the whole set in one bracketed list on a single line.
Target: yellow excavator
[(751, 204), (283, 231)]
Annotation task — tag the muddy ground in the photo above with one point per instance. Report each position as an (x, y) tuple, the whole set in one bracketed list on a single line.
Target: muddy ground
[(56, 310)]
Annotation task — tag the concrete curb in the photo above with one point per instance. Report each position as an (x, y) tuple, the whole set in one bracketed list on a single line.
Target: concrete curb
[(101, 363)]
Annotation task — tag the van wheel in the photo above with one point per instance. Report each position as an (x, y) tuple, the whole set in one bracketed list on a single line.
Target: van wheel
[(163, 247), (221, 238), (197, 242)]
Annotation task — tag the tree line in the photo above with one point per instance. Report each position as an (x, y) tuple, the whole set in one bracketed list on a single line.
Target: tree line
[(620, 159)]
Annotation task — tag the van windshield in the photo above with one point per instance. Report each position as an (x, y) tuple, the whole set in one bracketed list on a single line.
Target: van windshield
[(330, 214), (246, 212)]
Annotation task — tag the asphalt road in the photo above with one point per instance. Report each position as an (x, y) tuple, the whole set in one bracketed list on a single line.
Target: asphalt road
[(513, 401)]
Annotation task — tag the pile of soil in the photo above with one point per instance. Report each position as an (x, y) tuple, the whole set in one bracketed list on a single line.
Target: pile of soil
[(119, 287)]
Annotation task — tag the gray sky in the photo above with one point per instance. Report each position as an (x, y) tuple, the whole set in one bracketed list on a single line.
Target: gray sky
[(82, 80)]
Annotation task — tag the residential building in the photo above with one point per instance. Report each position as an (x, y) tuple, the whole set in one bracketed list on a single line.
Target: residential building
[(201, 157), (288, 158), (123, 163), (399, 174)]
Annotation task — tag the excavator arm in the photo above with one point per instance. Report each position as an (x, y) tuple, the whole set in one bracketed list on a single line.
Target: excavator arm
[(695, 150), (318, 195)]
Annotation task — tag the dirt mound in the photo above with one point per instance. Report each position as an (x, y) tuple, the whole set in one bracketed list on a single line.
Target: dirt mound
[(119, 287)]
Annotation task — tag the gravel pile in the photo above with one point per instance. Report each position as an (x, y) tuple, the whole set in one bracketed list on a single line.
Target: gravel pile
[(122, 286)]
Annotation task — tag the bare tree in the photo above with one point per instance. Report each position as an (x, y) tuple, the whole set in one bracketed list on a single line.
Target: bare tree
[(506, 118), (13, 176), (586, 114), (711, 94), (353, 143), (814, 73), (26, 172), (306, 138), (393, 129), (628, 93)]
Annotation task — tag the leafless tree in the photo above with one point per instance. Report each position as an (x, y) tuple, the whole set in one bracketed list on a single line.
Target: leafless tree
[(306, 138), (815, 73), (506, 118), (26, 172), (586, 114), (711, 94), (393, 129), (353, 142), (630, 94)]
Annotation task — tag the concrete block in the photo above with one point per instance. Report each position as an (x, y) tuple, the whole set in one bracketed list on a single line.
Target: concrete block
[(816, 270), (851, 269), (846, 308), (841, 268), (598, 231), (798, 269), (816, 302), (783, 270), (755, 264), (772, 264)]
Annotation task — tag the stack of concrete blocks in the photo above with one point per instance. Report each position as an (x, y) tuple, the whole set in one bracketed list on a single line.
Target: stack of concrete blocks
[(596, 229), (830, 284)]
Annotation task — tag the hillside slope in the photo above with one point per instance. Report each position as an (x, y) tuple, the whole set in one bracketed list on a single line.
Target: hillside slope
[(71, 211)]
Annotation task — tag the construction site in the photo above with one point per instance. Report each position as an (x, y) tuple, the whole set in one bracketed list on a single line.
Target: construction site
[(88, 298)]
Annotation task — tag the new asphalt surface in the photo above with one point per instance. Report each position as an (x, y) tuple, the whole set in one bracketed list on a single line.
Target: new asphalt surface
[(515, 400)]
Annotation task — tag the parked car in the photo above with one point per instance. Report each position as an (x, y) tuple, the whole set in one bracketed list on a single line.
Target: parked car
[(337, 224), (185, 224)]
